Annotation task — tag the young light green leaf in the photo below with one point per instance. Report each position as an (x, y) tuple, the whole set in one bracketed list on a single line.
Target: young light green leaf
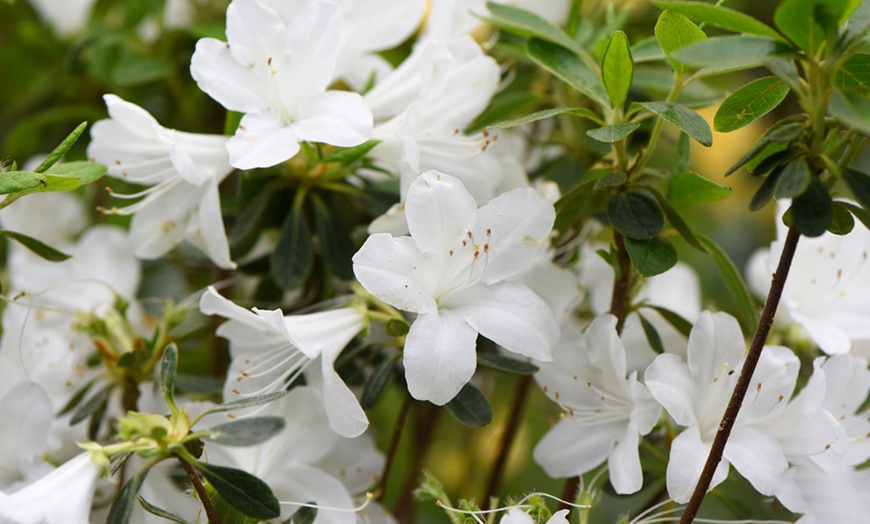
[(241, 490), (719, 16), (635, 214), (651, 257), (652, 335), (813, 211), (506, 364), (528, 24), (85, 172), (613, 133), (688, 189), (45, 251), (842, 222), (687, 120), (122, 507), (470, 407), (854, 74), (674, 31), (547, 113), (569, 67), (617, 69), (859, 183), (245, 432), (293, 258), (749, 103), (730, 52), (734, 282), (794, 180), (62, 149)]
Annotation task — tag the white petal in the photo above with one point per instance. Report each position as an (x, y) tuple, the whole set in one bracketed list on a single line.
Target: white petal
[(626, 475), (305, 484), (687, 459), (206, 228), (222, 77), (440, 213), (339, 118), (516, 516), (346, 416), (571, 448), (262, 140), (669, 381), (758, 457), (161, 223), (393, 269)]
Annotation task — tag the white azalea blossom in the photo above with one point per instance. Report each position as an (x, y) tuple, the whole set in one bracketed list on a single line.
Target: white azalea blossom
[(606, 411), (67, 17), (453, 271), (270, 350), (183, 170), (518, 516), (275, 67)]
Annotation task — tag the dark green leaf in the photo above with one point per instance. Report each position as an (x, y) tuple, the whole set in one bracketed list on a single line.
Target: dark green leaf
[(674, 31), (569, 67), (43, 250), (749, 103), (719, 16), (293, 257), (162, 513), (681, 162), (676, 220), (133, 359), (852, 109), (774, 140), (730, 52), (860, 213), (304, 515), (140, 70), (347, 155), (92, 405), (765, 192), (614, 179), (546, 113), (506, 364), (241, 490), (635, 214), (527, 24), (246, 228), (470, 407), (336, 246), (687, 120), (168, 368), (243, 403), (688, 189), (76, 399), (612, 133), (842, 222), (813, 211), (854, 74), (246, 432), (62, 149), (859, 183), (794, 180), (377, 382), (678, 322), (122, 507), (652, 335), (197, 384), (734, 282), (773, 158), (617, 69), (651, 257)]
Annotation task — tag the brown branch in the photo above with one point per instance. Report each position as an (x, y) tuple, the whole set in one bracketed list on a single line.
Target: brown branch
[(394, 444), (510, 432), (210, 512), (743, 382), (619, 299)]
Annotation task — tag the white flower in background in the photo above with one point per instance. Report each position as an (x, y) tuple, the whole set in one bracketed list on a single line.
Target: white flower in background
[(183, 170), (606, 411), (27, 412), (453, 271), (827, 285), (307, 461), (460, 17), (276, 70), (848, 384), (270, 350), (67, 17), (63, 496), (696, 393), (518, 516)]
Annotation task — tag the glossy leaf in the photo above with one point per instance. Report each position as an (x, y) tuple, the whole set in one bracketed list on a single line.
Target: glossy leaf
[(569, 67), (635, 214), (614, 179), (651, 257), (506, 364), (687, 190), (125, 502), (734, 282), (652, 335), (674, 319), (794, 180), (764, 194), (292, 260), (62, 149), (674, 31), (546, 113), (859, 183), (245, 432), (612, 133), (687, 120), (719, 16), (749, 103), (842, 222), (45, 251), (617, 69), (812, 212), (858, 212), (304, 515), (241, 490), (773, 140), (470, 407), (676, 220)]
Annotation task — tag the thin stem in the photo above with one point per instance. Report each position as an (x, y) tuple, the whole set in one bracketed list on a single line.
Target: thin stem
[(427, 423), (394, 443), (210, 512), (749, 365), (507, 439)]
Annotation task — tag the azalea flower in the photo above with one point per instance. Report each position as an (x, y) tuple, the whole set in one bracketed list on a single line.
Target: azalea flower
[(518, 516), (23, 443), (67, 17), (184, 170), (275, 67), (696, 393), (606, 412), (269, 351), (453, 271)]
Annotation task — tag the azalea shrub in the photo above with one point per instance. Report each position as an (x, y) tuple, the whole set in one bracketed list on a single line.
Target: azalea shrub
[(340, 261)]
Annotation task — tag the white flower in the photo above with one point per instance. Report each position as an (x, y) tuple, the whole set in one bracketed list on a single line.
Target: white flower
[(68, 17), (23, 443), (275, 67), (607, 412), (827, 285), (458, 17), (184, 170), (270, 350), (60, 497), (452, 271), (518, 516), (696, 393)]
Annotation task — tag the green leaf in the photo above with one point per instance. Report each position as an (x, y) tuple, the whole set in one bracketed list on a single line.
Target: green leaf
[(20, 182), (613, 133), (243, 403), (774, 140), (76, 399), (813, 211), (854, 74), (635, 214), (681, 161), (734, 282), (749, 103), (43, 250), (719, 16), (92, 405), (546, 113), (730, 52), (397, 328), (617, 69), (162, 513), (676, 220), (860, 213), (247, 225), (168, 368), (647, 50), (377, 382), (852, 109), (304, 515), (122, 507), (241, 490), (347, 155), (674, 31), (859, 183), (138, 70), (859, 21), (336, 246), (842, 222), (506, 364), (569, 67), (805, 22), (651, 257), (246, 432), (470, 407), (652, 335), (687, 190), (674, 319), (83, 171), (614, 179), (62, 149), (293, 257), (766, 190), (687, 120), (528, 24), (794, 180)]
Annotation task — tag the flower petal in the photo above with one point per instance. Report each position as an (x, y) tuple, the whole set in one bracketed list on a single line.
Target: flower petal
[(758, 457), (571, 448), (393, 269), (339, 118), (440, 213), (687, 459)]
